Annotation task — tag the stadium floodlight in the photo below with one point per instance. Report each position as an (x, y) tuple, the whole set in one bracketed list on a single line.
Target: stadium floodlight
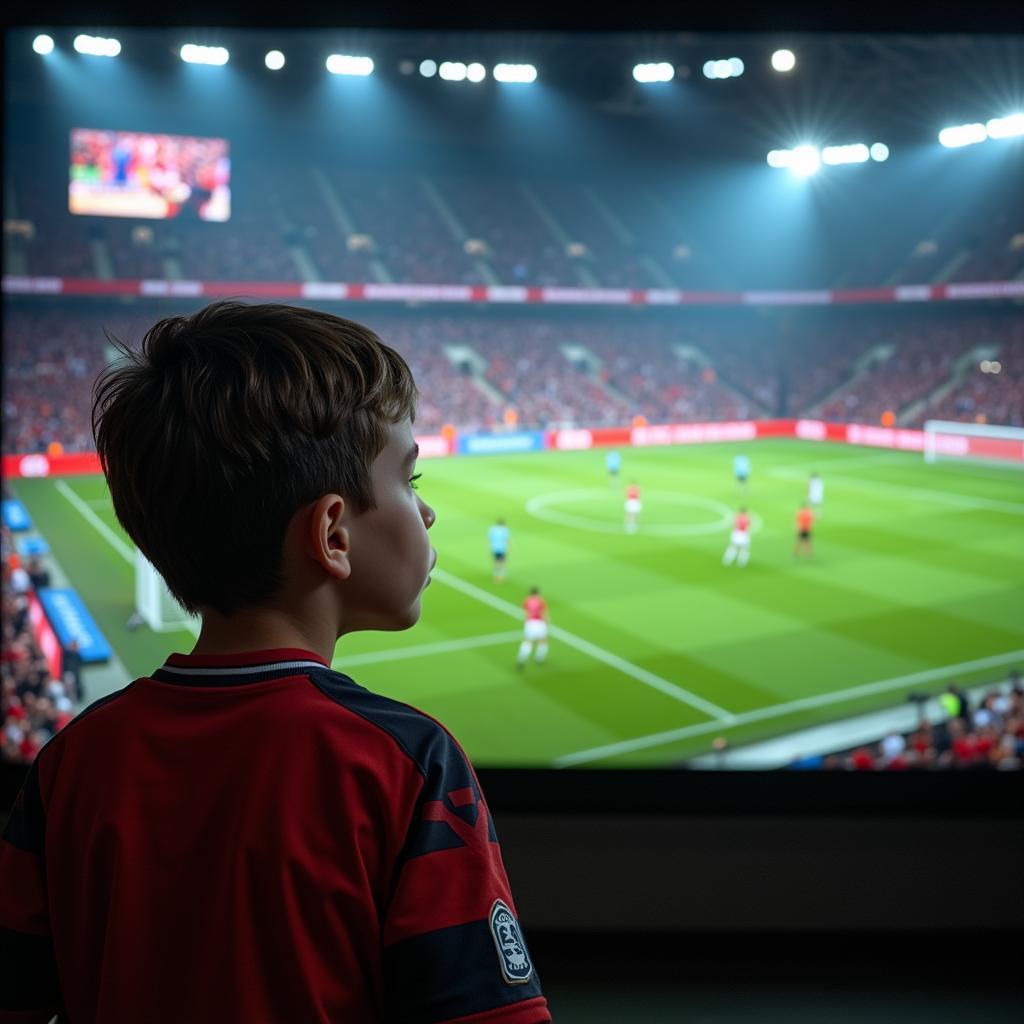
[(723, 69), (806, 161), (476, 72), (962, 135), (855, 154), (521, 73), (780, 158), (274, 60), (345, 64), (1005, 127), (879, 152), (662, 71), (43, 44), (428, 68), (191, 53), (736, 67), (97, 46), (783, 60), (453, 71)]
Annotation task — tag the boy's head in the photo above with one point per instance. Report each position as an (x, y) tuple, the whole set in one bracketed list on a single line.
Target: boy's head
[(253, 449)]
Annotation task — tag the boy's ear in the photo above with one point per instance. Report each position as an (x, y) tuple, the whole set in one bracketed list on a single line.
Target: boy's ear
[(328, 539)]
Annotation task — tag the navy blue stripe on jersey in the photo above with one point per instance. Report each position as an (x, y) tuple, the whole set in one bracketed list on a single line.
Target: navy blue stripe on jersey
[(442, 764), (466, 957), (28, 969), (235, 675)]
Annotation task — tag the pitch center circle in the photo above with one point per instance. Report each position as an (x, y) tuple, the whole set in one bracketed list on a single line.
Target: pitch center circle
[(544, 507)]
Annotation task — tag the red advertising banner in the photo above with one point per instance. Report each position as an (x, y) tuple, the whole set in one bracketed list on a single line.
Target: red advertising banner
[(45, 636)]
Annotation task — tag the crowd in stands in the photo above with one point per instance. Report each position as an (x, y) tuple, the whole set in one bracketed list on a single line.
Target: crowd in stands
[(988, 736), (991, 397), (485, 370), (357, 225), (33, 704)]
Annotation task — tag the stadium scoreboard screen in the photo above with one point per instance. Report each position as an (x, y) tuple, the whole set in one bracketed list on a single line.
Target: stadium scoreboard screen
[(144, 175)]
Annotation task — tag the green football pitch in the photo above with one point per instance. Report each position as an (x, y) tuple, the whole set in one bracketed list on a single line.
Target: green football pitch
[(657, 648)]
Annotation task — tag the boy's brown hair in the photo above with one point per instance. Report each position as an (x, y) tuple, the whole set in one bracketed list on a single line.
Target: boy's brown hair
[(226, 422)]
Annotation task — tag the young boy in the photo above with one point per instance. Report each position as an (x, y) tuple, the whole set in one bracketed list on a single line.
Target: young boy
[(535, 629), (497, 537), (247, 835)]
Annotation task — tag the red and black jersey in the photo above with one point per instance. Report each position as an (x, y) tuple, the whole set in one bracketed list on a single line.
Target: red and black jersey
[(257, 838)]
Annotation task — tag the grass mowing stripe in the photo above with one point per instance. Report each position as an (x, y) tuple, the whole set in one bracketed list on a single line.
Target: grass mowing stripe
[(776, 710), (94, 520), (441, 647), (598, 653)]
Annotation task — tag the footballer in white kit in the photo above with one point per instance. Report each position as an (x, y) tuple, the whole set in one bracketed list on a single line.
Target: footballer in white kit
[(815, 490)]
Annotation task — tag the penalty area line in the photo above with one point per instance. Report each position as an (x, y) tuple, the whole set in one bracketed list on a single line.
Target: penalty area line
[(641, 675), (341, 661)]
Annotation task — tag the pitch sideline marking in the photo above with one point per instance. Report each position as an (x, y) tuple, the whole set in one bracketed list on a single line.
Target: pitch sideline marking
[(778, 710), (112, 539), (342, 662), (641, 675)]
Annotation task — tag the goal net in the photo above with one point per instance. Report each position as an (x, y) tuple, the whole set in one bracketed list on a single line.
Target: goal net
[(944, 439), (154, 603)]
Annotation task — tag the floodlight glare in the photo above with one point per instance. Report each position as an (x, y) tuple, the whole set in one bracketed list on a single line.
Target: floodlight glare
[(274, 60), (453, 71), (428, 68), (476, 72), (962, 135), (1005, 127), (194, 54), (879, 152), (780, 158), (783, 60), (709, 69), (660, 72), (43, 44), (723, 69), (735, 67), (523, 73), (855, 154), (805, 162), (344, 64), (97, 46)]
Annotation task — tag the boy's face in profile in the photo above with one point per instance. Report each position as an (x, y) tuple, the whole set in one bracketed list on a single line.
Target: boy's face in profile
[(390, 552)]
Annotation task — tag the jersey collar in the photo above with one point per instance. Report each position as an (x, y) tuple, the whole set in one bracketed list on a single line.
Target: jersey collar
[(237, 669)]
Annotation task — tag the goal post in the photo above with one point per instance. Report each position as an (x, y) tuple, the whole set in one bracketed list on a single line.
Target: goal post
[(947, 439), (154, 603)]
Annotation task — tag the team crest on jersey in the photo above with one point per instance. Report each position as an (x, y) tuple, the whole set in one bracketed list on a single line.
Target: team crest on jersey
[(516, 967)]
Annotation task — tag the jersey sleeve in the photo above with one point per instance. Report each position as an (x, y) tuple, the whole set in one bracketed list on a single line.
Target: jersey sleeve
[(453, 947), (29, 993)]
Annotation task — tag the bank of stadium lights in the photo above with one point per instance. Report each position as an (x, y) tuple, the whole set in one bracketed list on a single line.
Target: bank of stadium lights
[(192, 53), (521, 74), (991, 367), (274, 60), (345, 64), (43, 44), (783, 60), (970, 134), (731, 68), (456, 71), (97, 46), (659, 72), (428, 68), (807, 160)]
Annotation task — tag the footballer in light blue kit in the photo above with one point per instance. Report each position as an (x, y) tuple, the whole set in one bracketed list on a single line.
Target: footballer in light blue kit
[(741, 467), (497, 537), (613, 463)]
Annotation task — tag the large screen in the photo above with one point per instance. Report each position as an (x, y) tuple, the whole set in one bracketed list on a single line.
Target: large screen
[(140, 174)]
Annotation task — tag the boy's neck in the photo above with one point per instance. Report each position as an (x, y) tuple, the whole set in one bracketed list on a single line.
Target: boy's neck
[(262, 629)]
